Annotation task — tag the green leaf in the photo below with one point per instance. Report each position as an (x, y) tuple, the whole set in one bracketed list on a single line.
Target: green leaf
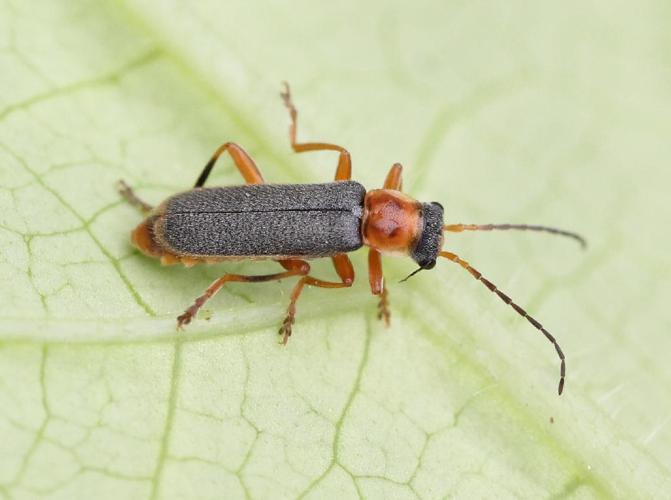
[(505, 112)]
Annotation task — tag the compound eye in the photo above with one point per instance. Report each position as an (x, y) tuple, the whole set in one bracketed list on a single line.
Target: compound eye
[(438, 205), (429, 265)]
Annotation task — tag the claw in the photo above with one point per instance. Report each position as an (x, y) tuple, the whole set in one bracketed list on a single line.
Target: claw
[(285, 329), (383, 312), (184, 319), (286, 97), (286, 93)]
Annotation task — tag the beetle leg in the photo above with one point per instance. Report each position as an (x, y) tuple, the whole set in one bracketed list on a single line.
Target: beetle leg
[(394, 178), (377, 285), (344, 170), (393, 181), (343, 267), (242, 160), (127, 192), (188, 315)]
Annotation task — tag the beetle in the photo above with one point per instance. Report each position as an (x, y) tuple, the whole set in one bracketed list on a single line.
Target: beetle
[(291, 223)]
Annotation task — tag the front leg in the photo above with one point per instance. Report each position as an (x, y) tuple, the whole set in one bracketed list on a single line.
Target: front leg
[(394, 180), (377, 285)]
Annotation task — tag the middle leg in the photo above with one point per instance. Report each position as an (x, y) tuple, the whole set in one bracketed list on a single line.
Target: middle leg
[(344, 170), (211, 291), (343, 267)]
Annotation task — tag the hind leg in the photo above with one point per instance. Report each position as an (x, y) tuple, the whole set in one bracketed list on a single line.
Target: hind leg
[(127, 192), (250, 172)]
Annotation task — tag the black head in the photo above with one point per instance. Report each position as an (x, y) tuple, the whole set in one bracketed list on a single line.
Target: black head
[(430, 238)]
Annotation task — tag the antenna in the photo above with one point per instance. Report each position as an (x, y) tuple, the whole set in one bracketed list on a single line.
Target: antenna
[(493, 288)]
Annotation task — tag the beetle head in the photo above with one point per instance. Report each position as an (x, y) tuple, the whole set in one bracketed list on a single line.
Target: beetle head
[(430, 237)]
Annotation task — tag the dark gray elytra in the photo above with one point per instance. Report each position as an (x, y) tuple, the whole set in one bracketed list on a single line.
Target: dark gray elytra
[(316, 220)]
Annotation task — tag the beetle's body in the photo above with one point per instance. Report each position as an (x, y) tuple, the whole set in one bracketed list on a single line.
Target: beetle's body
[(273, 221), (290, 223)]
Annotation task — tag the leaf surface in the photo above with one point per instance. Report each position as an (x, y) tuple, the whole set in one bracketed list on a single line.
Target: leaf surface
[(505, 113)]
